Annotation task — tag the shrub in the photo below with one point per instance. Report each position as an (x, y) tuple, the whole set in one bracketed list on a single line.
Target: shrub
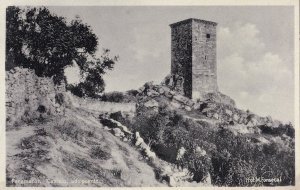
[(99, 153), (113, 97), (76, 90), (116, 173), (59, 98), (81, 164), (41, 109), (132, 92), (279, 131)]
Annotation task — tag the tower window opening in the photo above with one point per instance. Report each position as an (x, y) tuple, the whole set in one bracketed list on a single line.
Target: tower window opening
[(207, 35)]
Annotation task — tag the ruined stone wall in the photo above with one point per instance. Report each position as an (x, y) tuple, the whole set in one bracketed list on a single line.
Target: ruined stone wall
[(29, 97), (204, 61), (99, 106), (181, 55)]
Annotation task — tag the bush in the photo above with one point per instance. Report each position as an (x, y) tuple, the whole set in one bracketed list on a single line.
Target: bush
[(99, 153), (76, 90), (41, 109), (132, 92), (113, 97), (279, 131), (59, 98)]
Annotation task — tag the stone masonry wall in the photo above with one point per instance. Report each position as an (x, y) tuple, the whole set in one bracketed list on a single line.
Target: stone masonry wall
[(30, 97), (99, 106), (181, 54), (204, 58)]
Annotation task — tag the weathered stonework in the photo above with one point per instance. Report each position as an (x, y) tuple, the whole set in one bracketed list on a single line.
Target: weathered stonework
[(28, 96), (193, 56)]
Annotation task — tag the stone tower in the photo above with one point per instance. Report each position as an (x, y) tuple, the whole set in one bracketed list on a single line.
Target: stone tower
[(194, 56)]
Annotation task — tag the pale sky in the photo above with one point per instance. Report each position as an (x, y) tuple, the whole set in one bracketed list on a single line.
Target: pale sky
[(254, 49)]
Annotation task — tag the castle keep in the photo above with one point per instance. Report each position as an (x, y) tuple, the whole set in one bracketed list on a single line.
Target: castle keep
[(194, 56)]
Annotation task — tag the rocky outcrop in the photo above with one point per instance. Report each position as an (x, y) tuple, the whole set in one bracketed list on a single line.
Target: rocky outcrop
[(216, 106)]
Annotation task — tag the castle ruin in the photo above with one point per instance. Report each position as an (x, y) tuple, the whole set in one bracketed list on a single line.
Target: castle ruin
[(194, 56)]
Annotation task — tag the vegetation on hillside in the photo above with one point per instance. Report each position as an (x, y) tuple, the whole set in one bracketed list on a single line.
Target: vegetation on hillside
[(72, 151), (229, 158)]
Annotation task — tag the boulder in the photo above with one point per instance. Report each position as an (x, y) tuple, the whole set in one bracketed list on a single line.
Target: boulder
[(151, 103), (241, 120), (149, 153), (253, 122), (181, 99), (137, 135), (209, 114), (172, 93), (228, 112), (236, 117), (205, 110), (190, 103), (200, 151), (152, 93), (140, 90), (175, 104), (118, 132), (263, 140), (180, 153), (197, 106), (166, 89), (187, 108), (166, 170), (169, 94), (172, 181), (161, 91), (143, 145), (216, 116), (122, 127), (139, 141)]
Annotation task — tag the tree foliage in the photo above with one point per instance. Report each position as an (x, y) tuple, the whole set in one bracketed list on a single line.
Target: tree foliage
[(47, 43)]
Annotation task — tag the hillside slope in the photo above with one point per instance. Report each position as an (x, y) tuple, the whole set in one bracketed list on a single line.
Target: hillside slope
[(158, 138), (61, 149), (213, 138)]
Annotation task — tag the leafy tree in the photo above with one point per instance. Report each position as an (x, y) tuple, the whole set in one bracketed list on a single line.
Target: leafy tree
[(47, 43)]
